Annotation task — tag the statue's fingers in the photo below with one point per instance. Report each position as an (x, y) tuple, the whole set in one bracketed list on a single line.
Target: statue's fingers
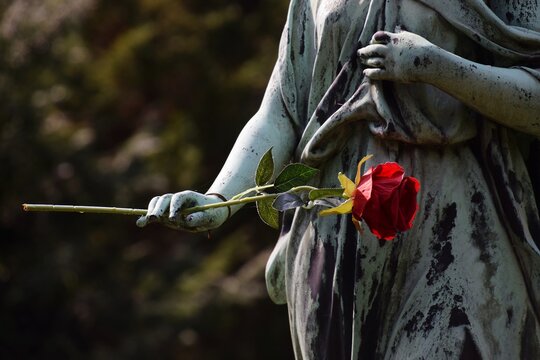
[(376, 50), (198, 221), (207, 220), (380, 37), (376, 73), (160, 208), (180, 201), (145, 220), (374, 62), (152, 204)]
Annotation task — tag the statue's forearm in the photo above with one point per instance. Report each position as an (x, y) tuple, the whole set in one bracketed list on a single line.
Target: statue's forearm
[(267, 129), (510, 96)]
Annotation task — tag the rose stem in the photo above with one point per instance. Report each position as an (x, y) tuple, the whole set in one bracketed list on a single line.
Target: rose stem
[(130, 211)]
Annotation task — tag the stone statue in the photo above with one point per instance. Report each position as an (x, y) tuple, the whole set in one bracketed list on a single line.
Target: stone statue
[(449, 89)]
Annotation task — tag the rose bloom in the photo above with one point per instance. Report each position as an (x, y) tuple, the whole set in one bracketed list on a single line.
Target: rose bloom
[(383, 197), (386, 200)]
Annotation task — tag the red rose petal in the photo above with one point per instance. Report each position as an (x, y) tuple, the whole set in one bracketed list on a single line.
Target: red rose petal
[(386, 200), (362, 194)]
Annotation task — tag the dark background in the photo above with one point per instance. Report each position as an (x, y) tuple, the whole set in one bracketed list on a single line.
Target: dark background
[(111, 103)]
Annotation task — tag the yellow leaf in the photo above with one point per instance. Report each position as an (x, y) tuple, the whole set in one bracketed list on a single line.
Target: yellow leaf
[(344, 208), (358, 176), (347, 185)]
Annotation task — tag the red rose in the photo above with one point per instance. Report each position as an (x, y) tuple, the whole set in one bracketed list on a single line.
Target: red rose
[(386, 200)]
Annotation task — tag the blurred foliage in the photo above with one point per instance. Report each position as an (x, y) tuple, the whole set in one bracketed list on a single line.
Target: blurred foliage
[(111, 103)]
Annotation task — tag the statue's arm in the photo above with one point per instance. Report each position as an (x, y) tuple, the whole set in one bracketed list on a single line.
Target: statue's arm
[(274, 126), (509, 96), (269, 128)]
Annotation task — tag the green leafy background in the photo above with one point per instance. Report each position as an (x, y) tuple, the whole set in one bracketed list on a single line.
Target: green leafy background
[(110, 103)]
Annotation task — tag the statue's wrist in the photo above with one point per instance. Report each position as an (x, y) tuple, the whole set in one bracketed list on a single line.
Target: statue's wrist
[(222, 199), (433, 64)]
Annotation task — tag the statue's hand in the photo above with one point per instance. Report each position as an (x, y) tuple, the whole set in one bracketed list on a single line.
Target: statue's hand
[(400, 56), (166, 209)]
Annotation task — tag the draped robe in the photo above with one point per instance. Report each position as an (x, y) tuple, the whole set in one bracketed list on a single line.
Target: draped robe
[(464, 282)]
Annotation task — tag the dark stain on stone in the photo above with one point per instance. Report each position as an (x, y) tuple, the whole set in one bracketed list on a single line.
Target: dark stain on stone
[(447, 223), (442, 260), (429, 322), (458, 317), (509, 316), (412, 324), (303, 37), (424, 62), (477, 198), (479, 223), (441, 246), (470, 350), (509, 17), (482, 235), (444, 290), (429, 202)]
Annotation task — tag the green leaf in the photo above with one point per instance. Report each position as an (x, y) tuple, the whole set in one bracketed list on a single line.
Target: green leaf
[(287, 201), (267, 213), (265, 169), (323, 193), (294, 175)]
